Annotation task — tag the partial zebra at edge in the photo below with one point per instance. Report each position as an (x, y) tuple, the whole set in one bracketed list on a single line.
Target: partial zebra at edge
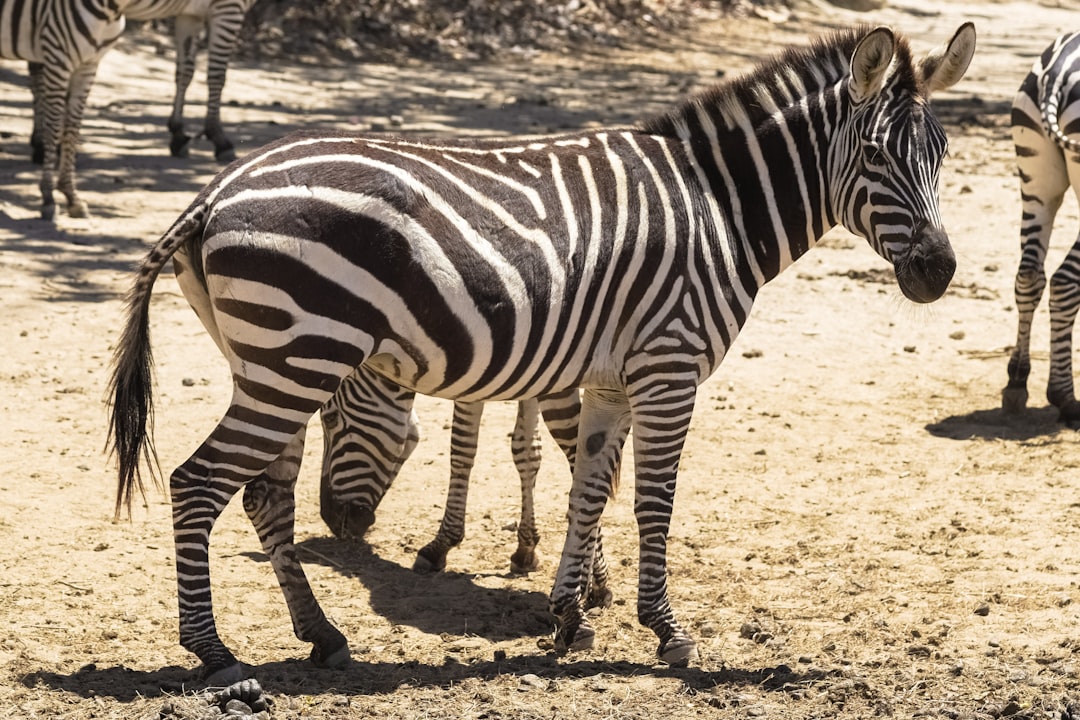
[(1046, 134)]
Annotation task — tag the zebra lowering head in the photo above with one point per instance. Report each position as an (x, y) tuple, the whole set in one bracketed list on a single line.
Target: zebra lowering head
[(622, 261)]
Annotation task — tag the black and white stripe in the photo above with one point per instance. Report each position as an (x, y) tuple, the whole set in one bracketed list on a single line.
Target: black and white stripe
[(223, 20), (369, 430), (621, 261), (63, 42), (1046, 133)]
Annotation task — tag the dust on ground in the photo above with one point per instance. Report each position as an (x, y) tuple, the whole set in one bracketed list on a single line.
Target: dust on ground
[(858, 531)]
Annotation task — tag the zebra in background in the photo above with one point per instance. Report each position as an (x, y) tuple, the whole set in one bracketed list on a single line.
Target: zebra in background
[(369, 431), (1046, 133), (63, 42), (622, 261), (223, 20)]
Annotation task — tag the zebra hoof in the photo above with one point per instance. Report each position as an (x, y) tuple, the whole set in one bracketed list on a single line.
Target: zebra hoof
[(1070, 415), (523, 563), (225, 154), (48, 212), (180, 145), (599, 598), (429, 562), (1014, 400), (678, 652), (226, 676), (333, 659), (79, 209)]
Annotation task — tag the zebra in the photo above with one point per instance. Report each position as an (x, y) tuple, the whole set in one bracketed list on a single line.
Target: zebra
[(1046, 134), (63, 42), (622, 261), (369, 431)]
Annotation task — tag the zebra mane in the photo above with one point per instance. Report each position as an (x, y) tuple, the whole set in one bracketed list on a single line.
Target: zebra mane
[(787, 76)]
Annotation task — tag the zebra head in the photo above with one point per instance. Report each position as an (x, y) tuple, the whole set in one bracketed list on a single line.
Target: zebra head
[(893, 151)]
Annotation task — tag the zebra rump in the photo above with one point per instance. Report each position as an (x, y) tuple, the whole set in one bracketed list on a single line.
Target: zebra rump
[(622, 261)]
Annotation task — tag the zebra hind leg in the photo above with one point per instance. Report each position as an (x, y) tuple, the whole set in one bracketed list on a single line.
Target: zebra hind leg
[(270, 505), (1064, 303), (201, 487)]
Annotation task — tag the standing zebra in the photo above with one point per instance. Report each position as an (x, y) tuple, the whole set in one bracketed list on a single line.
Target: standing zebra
[(622, 261), (1046, 132), (63, 42), (369, 430)]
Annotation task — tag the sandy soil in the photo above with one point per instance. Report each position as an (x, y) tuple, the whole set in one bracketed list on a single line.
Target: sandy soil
[(859, 531)]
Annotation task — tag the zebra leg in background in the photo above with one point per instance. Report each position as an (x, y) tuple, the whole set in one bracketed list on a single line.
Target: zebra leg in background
[(79, 89), (561, 412), (37, 135), (464, 433), (1064, 302), (269, 501), (234, 454), (1043, 182), (186, 35), (223, 29), (369, 430), (525, 448), (604, 423)]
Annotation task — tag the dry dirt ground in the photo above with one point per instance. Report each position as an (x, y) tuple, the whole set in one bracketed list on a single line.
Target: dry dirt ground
[(858, 532)]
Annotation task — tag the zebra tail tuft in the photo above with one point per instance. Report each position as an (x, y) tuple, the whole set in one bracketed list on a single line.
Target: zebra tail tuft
[(131, 421)]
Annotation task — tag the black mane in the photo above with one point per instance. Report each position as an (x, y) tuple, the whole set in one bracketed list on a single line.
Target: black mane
[(820, 64)]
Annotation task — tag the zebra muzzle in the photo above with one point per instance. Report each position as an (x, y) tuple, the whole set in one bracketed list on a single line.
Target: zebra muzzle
[(925, 271)]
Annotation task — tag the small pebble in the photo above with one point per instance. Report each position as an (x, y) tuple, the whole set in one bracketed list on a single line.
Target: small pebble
[(983, 609)]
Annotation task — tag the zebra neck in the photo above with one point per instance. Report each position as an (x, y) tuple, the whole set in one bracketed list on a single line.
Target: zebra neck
[(768, 176)]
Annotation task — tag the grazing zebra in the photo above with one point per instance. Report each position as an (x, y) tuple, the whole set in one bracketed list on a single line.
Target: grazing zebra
[(369, 430), (1046, 132), (63, 40), (622, 261)]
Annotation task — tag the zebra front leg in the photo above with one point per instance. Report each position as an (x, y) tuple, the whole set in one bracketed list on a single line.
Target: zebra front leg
[(270, 505), (661, 415), (561, 412), (463, 438), (186, 33), (1064, 302), (604, 422), (525, 447)]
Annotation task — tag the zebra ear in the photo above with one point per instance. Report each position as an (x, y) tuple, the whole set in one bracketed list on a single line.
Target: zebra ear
[(870, 61), (943, 67)]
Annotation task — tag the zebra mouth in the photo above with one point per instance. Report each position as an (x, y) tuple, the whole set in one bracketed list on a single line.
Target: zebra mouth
[(925, 271)]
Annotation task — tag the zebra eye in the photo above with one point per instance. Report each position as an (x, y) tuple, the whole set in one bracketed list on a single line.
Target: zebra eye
[(873, 155)]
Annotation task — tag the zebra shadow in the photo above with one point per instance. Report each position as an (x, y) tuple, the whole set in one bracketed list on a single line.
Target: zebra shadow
[(994, 424), (484, 605), (297, 678)]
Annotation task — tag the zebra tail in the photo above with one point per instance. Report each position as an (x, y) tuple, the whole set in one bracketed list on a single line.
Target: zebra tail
[(1051, 109), (131, 421)]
